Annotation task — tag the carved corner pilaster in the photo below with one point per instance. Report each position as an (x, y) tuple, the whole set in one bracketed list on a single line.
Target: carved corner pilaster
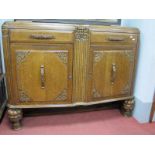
[(15, 117), (127, 107), (5, 29)]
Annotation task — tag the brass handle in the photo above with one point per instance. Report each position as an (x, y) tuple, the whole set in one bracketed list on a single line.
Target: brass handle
[(116, 38), (41, 36), (113, 73), (42, 76)]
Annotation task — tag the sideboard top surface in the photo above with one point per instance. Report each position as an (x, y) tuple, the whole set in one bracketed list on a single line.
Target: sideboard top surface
[(67, 27)]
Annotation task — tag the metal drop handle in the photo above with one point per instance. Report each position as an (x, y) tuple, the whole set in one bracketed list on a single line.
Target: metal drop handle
[(116, 38), (42, 36), (113, 73), (42, 76)]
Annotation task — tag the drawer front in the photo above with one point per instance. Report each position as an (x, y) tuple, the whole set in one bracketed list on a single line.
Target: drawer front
[(40, 36), (112, 38)]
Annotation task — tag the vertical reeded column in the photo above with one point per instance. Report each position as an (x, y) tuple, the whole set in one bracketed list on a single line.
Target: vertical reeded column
[(81, 57)]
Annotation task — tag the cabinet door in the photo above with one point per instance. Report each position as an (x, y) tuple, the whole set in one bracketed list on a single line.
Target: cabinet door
[(42, 74), (111, 73)]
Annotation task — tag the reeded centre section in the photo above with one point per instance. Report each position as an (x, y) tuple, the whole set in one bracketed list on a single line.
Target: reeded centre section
[(81, 55)]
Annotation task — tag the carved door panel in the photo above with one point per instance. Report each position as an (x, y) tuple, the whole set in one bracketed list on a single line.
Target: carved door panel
[(111, 74), (28, 64), (43, 74), (58, 70)]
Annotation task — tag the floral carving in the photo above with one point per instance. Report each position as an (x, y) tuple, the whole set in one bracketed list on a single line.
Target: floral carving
[(21, 56), (23, 97), (130, 55), (126, 89), (15, 117), (63, 56), (98, 55), (96, 94), (62, 95), (81, 33), (127, 107)]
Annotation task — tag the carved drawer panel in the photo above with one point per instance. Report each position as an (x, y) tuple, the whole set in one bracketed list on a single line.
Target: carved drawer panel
[(113, 38), (45, 36)]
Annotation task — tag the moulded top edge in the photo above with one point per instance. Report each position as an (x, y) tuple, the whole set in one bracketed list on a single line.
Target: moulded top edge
[(67, 27)]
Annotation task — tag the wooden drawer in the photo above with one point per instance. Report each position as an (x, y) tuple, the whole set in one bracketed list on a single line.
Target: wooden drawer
[(40, 36), (112, 38)]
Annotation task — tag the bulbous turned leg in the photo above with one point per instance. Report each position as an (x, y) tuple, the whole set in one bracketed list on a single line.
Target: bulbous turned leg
[(15, 117), (127, 107)]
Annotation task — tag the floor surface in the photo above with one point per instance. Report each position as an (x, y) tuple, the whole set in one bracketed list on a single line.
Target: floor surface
[(104, 122)]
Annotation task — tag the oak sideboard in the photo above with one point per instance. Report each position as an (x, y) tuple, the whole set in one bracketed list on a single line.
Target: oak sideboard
[(64, 65)]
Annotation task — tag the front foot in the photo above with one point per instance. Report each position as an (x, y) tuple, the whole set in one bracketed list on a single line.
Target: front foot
[(15, 117), (127, 107)]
